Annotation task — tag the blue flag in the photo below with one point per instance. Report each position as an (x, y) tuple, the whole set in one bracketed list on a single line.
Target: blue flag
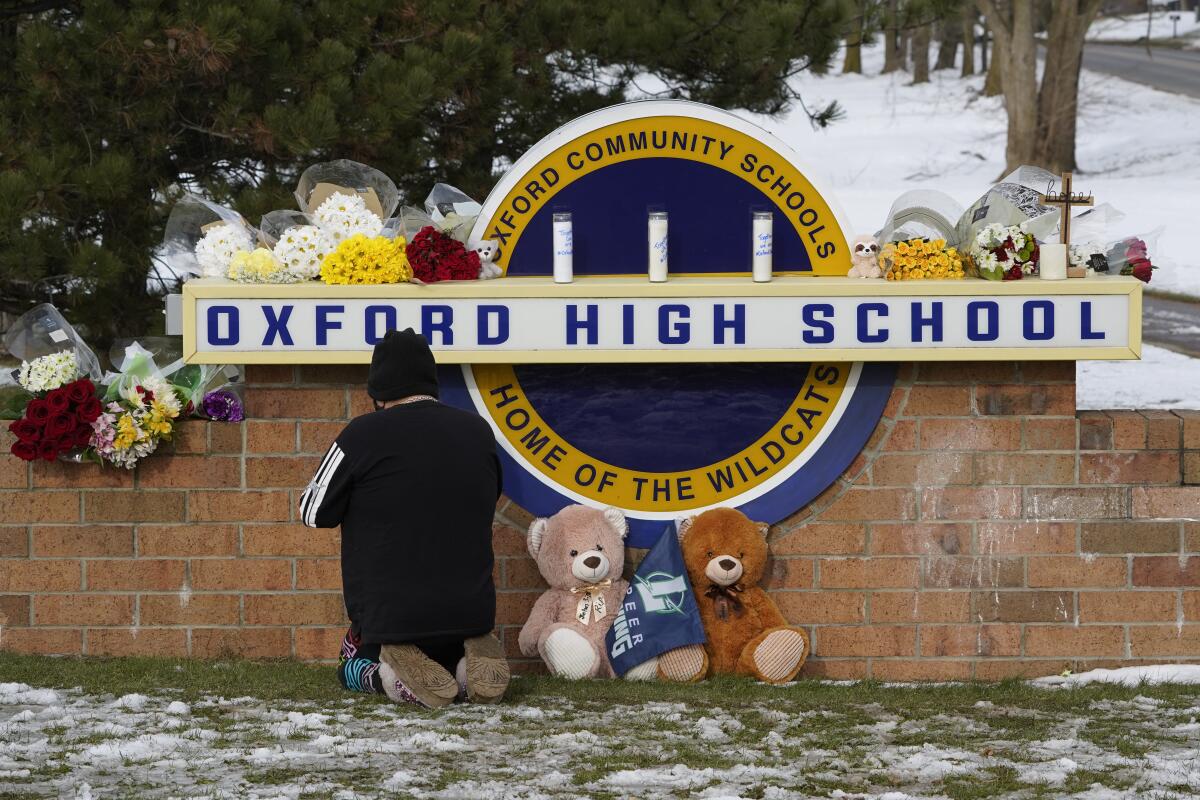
[(659, 612)]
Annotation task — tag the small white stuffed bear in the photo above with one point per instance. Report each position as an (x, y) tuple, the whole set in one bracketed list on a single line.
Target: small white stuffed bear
[(864, 254), (487, 250)]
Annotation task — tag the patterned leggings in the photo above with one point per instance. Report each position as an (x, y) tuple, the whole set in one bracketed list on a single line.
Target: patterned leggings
[(358, 665)]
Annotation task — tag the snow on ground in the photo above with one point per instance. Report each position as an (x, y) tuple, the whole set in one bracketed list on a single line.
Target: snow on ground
[(1128, 676), (1132, 27), (1136, 148), (56, 743), (1162, 379)]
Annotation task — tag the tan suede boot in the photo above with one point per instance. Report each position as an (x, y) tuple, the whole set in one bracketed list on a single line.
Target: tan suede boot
[(487, 669), (427, 680)]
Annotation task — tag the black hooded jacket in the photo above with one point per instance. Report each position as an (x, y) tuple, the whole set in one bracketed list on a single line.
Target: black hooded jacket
[(414, 488)]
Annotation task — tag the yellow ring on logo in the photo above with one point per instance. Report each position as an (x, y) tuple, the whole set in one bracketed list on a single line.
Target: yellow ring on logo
[(746, 157), (533, 441)]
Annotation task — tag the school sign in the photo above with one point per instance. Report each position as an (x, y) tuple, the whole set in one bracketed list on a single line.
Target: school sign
[(665, 399)]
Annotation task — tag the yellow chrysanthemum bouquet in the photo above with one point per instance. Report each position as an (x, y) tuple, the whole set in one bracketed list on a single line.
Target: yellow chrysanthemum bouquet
[(920, 259), (361, 260)]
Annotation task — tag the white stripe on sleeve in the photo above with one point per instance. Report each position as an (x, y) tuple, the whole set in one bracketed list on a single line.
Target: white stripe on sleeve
[(315, 493)]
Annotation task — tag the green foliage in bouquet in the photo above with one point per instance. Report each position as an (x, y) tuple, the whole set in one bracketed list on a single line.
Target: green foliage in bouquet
[(109, 104)]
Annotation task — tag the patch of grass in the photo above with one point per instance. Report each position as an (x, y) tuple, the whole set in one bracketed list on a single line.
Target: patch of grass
[(1083, 779)]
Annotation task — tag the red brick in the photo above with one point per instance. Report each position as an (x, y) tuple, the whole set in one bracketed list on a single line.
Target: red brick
[(1069, 571), (14, 473), (42, 641), (522, 573), (514, 515), (298, 403), (971, 503), (1147, 466), (998, 670), (230, 506), (507, 541), (913, 607), (1022, 606), (1075, 504), (1190, 421), (14, 542), (73, 610), (970, 640), (241, 643), (157, 506), (865, 504), (1024, 538), (920, 538), (61, 475), (353, 375), (188, 472), (1166, 571), (896, 401), (270, 436), (924, 469), (290, 540), (257, 374), (1191, 537), (821, 608), (1047, 371), (14, 612), (1129, 430), (1025, 469), (909, 671), (141, 573), (190, 436), (1191, 606), (1150, 641), (866, 640), (249, 574), (83, 540), (1095, 430), (821, 539), (512, 608), (23, 506), (835, 669), (1074, 641), (1173, 503), (315, 437), (226, 437), (318, 573), (1026, 399), (977, 572), (1129, 536), (1127, 606), (286, 471), (971, 434), (187, 540), (869, 573), (319, 644), (1049, 433), (1191, 468), (967, 371), (41, 575), (294, 609), (903, 436), (788, 573), (189, 609), (1163, 429), (931, 401), (161, 642)]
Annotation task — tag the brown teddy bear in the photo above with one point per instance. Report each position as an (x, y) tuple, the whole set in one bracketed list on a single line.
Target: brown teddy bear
[(725, 553), (580, 551)]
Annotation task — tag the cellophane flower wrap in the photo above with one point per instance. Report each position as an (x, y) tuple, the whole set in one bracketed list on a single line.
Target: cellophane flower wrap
[(201, 238), (140, 410), (919, 259), (434, 257), (363, 260), (1130, 255), (259, 266), (1004, 252)]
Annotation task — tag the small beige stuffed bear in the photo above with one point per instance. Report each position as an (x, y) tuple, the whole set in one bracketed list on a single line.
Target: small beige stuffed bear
[(864, 254)]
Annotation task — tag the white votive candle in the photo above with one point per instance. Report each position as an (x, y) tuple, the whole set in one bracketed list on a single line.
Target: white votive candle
[(1052, 262), (656, 235), (763, 246), (564, 248)]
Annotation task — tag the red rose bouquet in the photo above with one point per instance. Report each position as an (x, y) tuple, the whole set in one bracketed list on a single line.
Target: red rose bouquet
[(57, 423), (434, 256), (1131, 256)]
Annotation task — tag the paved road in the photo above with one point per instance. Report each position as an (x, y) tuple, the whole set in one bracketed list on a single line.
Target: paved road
[(1173, 324), (1161, 67)]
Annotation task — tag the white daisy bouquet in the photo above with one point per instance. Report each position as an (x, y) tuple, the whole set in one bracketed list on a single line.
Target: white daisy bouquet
[(202, 238)]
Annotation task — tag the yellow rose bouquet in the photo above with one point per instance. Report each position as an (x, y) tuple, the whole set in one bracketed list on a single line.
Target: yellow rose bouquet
[(918, 259)]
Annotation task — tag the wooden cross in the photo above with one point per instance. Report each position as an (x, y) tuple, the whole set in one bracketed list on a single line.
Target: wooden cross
[(1066, 199)]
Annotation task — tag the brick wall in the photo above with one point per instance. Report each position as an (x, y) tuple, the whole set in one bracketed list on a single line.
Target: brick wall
[(986, 530)]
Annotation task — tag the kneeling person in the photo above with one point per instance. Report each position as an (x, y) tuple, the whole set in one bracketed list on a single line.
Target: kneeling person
[(414, 486)]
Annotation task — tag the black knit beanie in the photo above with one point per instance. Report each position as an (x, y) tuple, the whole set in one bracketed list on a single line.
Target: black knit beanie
[(401, 366)]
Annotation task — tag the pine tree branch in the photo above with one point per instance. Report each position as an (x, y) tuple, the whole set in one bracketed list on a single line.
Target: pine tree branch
[(38, 7)]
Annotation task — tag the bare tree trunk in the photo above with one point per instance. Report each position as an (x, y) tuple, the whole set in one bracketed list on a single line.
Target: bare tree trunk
[(983, 47), (949, 35), (968, 39), (992, 84), (1058, 97), (920, 53), (891, 37), (1016, 53), (853, 59)]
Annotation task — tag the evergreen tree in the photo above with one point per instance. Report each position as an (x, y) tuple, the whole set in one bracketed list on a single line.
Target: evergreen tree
[(109, 103)]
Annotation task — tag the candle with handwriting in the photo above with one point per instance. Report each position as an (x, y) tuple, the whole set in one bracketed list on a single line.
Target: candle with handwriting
[(564, 248), (763, 245), (1052, 262), (656, 234)]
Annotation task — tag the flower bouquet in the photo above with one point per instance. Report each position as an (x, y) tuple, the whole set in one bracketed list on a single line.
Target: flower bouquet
[(1004, 252), (1131, 256), (435, 256), (57, 422), (209, 392), (917, 259), (202, 237)]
